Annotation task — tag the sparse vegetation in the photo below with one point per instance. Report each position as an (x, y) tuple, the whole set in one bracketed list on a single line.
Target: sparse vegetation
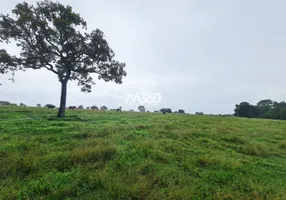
[(131, 155)]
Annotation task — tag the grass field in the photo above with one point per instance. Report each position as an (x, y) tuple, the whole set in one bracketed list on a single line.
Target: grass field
[(124, 155)]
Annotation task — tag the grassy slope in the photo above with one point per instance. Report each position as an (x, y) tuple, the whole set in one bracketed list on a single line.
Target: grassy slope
[(110, 155)]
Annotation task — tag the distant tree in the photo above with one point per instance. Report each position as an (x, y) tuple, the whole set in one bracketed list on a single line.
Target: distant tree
[(181, 111), (94, 107), (245, 109), (264, 108), (22, 104), (266, 103), (166, 110), (141, 108), (103, 108), (80, 107), (50, 106), (39, 105), (199, 113), (51, 37), (87, 108), (119, 109), (4, 103)]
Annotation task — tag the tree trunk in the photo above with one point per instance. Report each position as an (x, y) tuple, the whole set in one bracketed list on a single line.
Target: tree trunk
[(61, 112)]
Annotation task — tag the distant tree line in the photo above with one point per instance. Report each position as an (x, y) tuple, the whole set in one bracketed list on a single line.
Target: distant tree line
[(267, 109), (162, 110), (94, 107)]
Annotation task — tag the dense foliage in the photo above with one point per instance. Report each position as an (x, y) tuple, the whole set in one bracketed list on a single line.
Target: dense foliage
[(263, 109)]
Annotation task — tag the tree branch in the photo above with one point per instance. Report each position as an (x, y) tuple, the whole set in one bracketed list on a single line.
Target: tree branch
[(51, 68)]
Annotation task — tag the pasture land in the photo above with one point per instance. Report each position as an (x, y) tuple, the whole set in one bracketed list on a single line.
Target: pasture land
[(124, 155)]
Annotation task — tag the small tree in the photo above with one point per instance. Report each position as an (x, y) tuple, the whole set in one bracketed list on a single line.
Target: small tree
[(141, 108), (181, 111), (103, 108), (94, 107), (50, 106), (166, 110), (51, 37)]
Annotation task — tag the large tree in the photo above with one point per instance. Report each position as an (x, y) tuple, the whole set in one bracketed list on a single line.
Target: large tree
[(51, 36), (245, 109)]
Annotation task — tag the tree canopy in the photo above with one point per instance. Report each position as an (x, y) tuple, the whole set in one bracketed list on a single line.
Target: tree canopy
[(141, 108)]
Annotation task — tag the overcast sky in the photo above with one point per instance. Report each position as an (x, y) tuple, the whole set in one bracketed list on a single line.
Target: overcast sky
[(200, 55)]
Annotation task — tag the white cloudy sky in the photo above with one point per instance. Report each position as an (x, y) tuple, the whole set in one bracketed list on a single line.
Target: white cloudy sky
[(200, 55)]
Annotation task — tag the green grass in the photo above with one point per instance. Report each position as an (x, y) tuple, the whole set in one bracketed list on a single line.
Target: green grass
[(124, 155)]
